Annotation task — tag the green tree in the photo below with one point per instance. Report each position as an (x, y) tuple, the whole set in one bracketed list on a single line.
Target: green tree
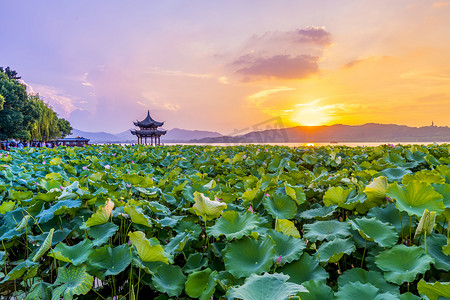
[(17, 112), (64, 127), (2, 101)]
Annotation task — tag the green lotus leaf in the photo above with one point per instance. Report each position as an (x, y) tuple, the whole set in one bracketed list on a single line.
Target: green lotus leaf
[(7, 206), (288, 247), (319, 213), (356, 290), (39, 290), (333, 251), (201, 284), (415, 197), (137, 216), (402, 264), (20, 196), (373, 230), (434, 290), (408, 296), (234, 225), (435, 244), (169, 279), (395, 174), (76, 254), (391, 215), (45, 246), (57, 209), (295, 192), (373, 277), (101, 233), (24, 223), (247, 256), (149, 250), (267, 286), (107, 261), (317, 290), (344, 198), (207, 208), (326, 230), (427, 176), (286, 227), (18, 270), (280, 206), (376, 191), (249, 195), (446, 248), (72, 281), (304, 269), (444, 190), (195, 262), (101, 216)]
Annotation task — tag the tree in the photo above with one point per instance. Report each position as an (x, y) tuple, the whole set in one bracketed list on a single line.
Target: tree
[(17, 112), (2, 101), (10, 73), (64, 127)]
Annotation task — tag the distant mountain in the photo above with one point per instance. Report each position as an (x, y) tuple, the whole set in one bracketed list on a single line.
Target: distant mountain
[(370, 132), (172, 136)]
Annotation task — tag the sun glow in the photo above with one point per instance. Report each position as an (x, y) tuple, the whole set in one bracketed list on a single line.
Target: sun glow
[(312, 114)]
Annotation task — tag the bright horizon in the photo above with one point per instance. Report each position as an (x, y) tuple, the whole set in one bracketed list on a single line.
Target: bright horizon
[(227, 65)]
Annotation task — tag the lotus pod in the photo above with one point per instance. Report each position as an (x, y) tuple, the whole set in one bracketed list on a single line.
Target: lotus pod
[(426, 223)]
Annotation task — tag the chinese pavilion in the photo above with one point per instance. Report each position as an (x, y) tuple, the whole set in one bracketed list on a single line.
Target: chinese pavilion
[(148, 128)]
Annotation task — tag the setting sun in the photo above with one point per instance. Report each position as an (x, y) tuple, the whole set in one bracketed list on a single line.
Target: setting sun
[(312, 114)]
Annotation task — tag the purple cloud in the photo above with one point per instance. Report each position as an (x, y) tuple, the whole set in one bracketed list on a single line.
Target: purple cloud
[(278, 66), (314, 35)]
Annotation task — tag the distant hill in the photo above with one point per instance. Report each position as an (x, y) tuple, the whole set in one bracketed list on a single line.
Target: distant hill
[(172, 136), (370, 132)]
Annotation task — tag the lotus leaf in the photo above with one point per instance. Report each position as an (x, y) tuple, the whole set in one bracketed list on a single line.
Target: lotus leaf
[(39, 290), (137, 216), (357, 290), (169, 279), (402, 264), (195, 262), (376, 191), (333, 251), (426, 176), (107, 261), (415, 197), (207, 208), (395, 174), (280, 206), (319, 213), (234, 225), (101, 216), (317, 290), (296, 193), (247, 256), (389, 214), (374, 230), (329, 230), (149, 250), (57, 209), (76, 254), (7, 206), (201, 284), (288, 247), (45, 246), (363, 276), (101, 233), (444, 190), (434, 290), (178, 242), (267, 286), (72, 281), (344, 198), (18, 270), (304, 269), (435, 244), (286, 227)]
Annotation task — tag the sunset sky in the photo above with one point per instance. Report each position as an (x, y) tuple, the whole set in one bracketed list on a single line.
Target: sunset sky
[(226, 65)]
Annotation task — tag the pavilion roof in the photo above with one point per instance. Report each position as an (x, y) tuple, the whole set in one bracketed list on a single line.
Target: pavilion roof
[(148, 122)]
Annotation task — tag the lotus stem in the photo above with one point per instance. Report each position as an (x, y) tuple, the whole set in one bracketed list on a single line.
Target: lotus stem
[(364, 253), (410, 227), (425, 241), (401, 222)]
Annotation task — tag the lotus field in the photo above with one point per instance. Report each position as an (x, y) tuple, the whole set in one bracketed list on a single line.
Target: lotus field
[(238, 222)]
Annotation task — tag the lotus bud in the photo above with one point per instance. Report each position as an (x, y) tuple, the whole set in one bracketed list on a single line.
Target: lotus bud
[(279, 260), (426, 223), (250, 209)]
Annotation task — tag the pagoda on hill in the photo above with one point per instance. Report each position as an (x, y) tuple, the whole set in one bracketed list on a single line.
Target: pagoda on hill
[(148, 128)]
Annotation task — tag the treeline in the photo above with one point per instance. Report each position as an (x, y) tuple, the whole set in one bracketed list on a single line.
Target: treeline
[(26, 116)]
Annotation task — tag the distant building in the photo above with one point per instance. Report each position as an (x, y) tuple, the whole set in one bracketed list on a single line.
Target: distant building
[(148, 128), (72, 142)]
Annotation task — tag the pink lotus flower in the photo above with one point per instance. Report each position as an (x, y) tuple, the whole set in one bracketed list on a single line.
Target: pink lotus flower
[(84, 168), (61, 188), (266, 150), (250, 209), (279, 260), (132, 161), (267, 195), (107, 167), (43, 162)]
